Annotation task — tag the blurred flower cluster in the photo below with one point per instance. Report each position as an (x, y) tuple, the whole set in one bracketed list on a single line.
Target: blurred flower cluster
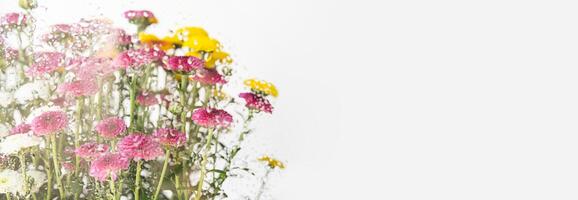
[(89, 110)]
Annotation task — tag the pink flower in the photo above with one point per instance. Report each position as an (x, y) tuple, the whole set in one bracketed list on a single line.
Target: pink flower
[(20, 129), (111, 127), (210, 117), (79, 88), (256, 102), (49, 123), (147, 99), (45, 63), (138, 57), (184, 64), (140, 16), (121, 37), (91, 150), (209, 77), (138, 146), (13, 19), (68, 167), (91, 67), (170, 137), (108, 165)]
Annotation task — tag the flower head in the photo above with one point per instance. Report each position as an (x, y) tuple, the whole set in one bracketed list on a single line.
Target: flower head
[(256, 102), (208, 77), (91, 150), (184, 64), (14, 143), (170, 137), (11, 182), (111, 127), (141, 18), (153, 41), (262, 87), (12, 20), (49, 123), (210, 117), (109, 164), (20, 129), (147, 99), (38, 179), (137, 58), (45, 63), (272, 162), (79, 88), (138, 146)]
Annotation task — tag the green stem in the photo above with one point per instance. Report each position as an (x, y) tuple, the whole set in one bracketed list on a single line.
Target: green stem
[(48, 174), (137, 180), (57, 167), (79, 107), (22, 159), (8, 196), (112, 186), (132, 103), (163, 171), (199, 192)]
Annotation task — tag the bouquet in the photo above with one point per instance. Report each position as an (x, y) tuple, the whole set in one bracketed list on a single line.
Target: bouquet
[(93, 111)]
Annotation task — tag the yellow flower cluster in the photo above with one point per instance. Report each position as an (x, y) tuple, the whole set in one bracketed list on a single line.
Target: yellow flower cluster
[(262, 86), (196, 40), (272, 162)]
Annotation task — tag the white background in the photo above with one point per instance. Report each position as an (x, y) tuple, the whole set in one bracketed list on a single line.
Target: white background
[(415, 99)]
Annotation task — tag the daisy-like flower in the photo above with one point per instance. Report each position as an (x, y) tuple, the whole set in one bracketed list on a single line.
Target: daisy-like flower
[(138, 146), (108, 165), (79, 88), (91, 150), (11, 182), (6, 98), (272, 162), (184, 64), (153, 41), (256, 102), (141, 18), (170, 137), (49, 123), (32, 90), (111, 127), (45, 63), (147, 99), (210, 118), (13, 144), (20, 129), (208, 77), (262, 87)]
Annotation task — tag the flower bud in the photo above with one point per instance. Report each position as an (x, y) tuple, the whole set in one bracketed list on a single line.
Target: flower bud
[(27, 4)]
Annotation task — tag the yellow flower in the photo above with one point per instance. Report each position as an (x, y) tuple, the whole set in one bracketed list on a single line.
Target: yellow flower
[(202, 43), (165, 44), (219, 94), (153, 20), (262, 86), (272, 162), (190, 31)]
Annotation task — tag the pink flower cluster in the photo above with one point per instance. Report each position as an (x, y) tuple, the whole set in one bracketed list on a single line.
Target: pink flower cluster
[(132, 15), (184, 64), (21, 129), (170, 137), (91, 150), (256, 102), (138, 58), (90, 68), (79, 88), (147, 99), (111, 127), (138, 146), (13, 19), (211, 117), (209, 77), (45, 63), (49, 123), (109, 164)]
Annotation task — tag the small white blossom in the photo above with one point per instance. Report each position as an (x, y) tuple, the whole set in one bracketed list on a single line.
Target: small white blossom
[(14, 143), (11, 182), (4, 131), (30, 91), (38, 179), (6, 98)]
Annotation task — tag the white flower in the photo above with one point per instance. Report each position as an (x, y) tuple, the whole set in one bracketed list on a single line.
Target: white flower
[(4, 131), (14, 143), (6, 99), (11, 182), (30, 91), (38, 179), (12, 78)]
